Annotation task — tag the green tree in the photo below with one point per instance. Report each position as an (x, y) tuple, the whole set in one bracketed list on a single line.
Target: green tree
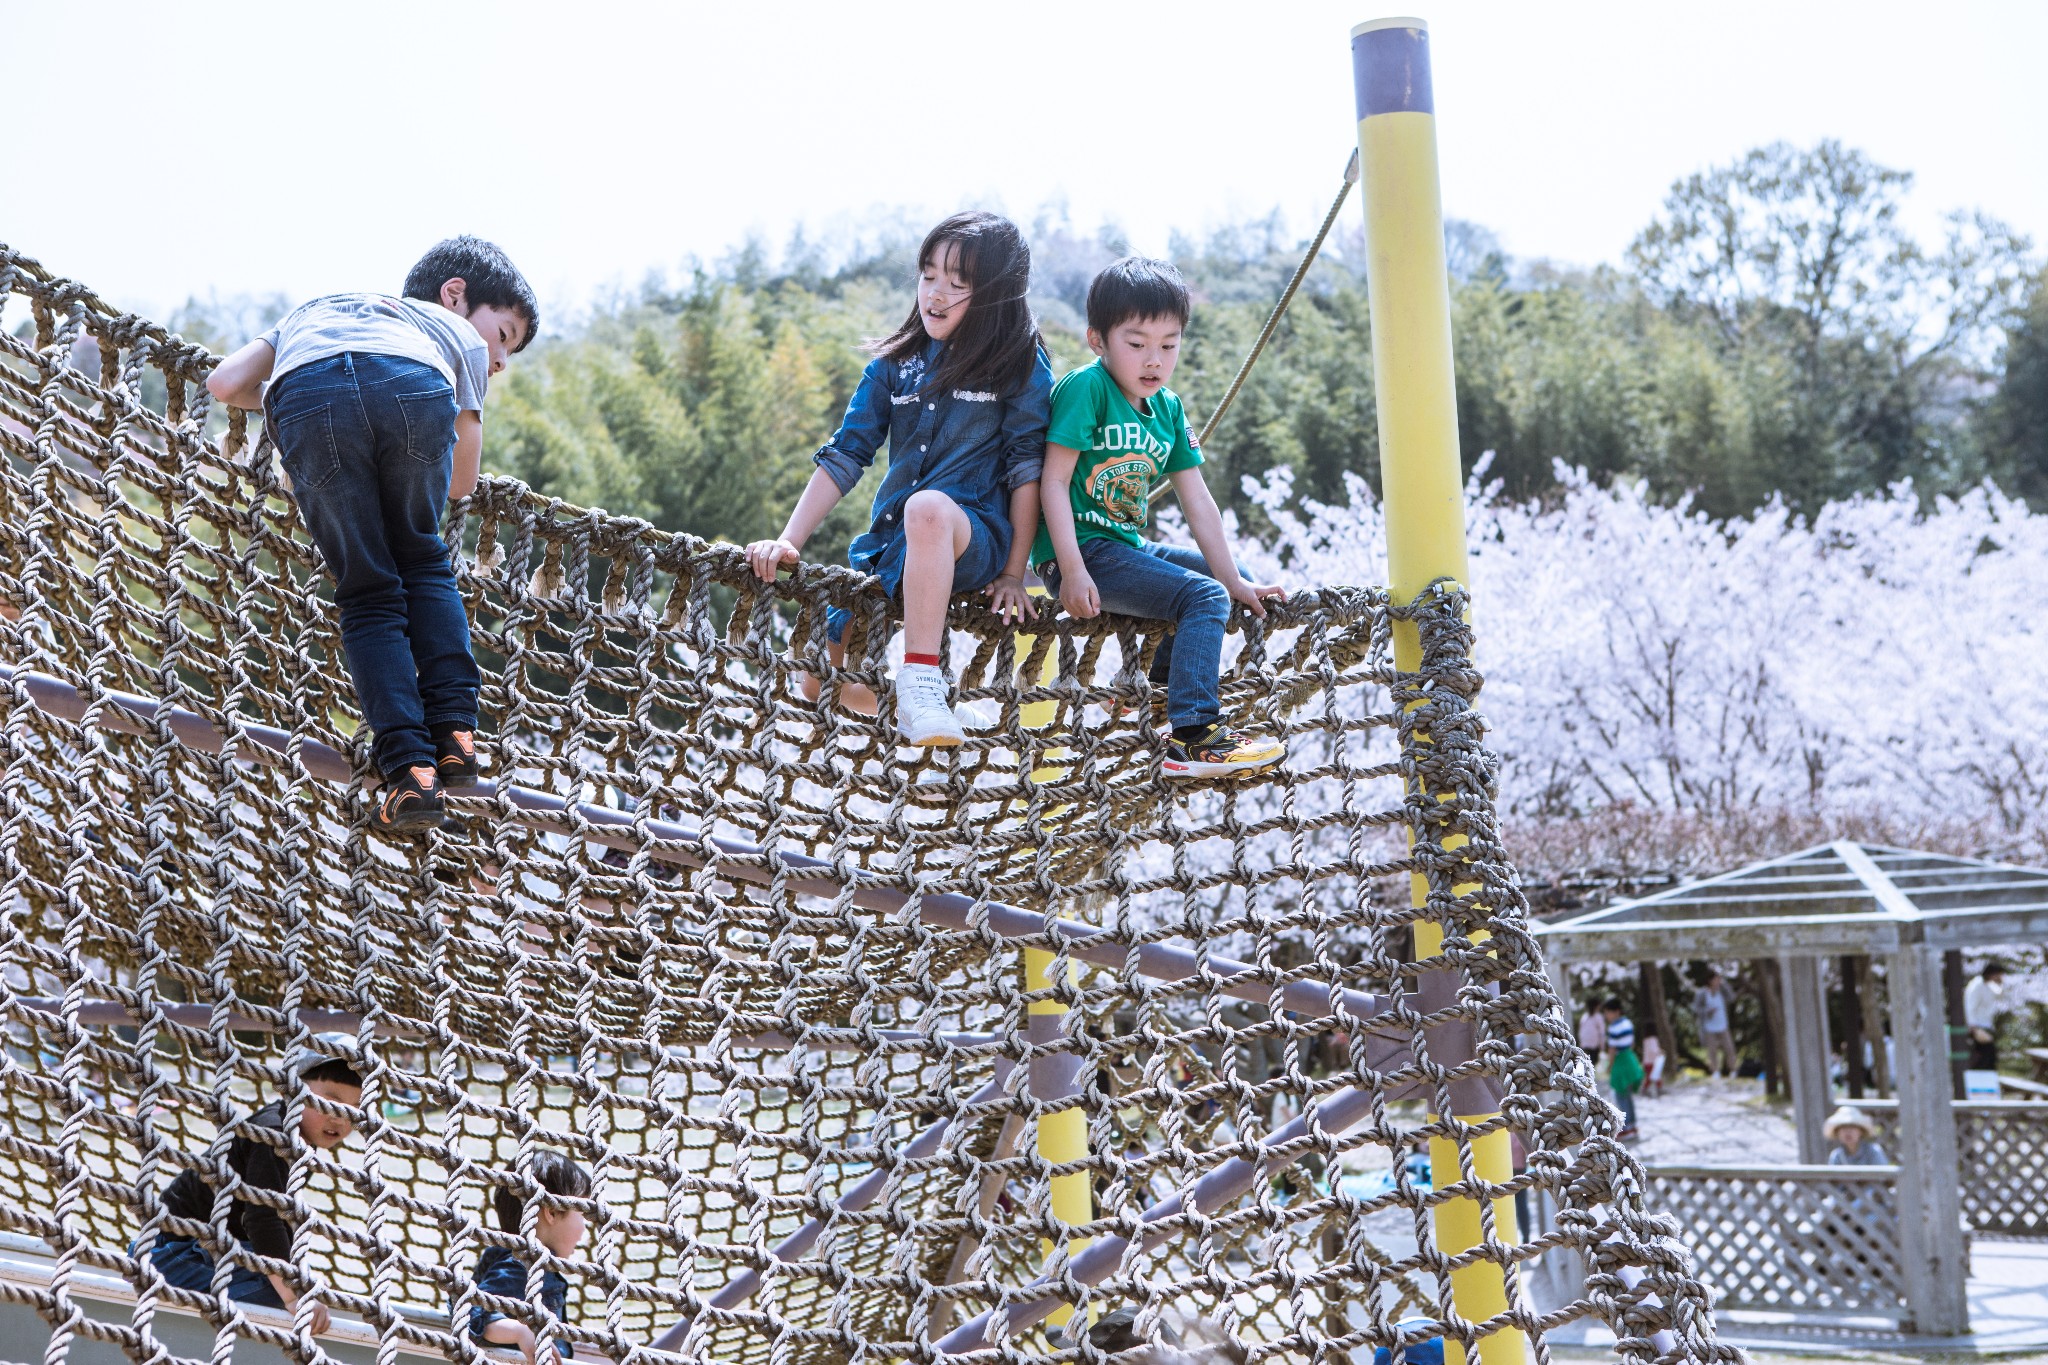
[(1775, 333), (1796, 260), (698, 411), (2012, 430)]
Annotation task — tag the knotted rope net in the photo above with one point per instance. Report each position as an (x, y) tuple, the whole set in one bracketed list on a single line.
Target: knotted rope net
[(753, 965)]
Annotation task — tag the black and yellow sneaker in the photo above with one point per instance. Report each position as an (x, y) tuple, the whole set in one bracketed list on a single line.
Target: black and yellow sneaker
[(411, 801), (455, 757), (1219, 751)]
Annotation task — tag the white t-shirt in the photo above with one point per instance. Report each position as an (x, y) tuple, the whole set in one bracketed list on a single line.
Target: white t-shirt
[(1981, 1000), (377, 324), (1711, 1009)]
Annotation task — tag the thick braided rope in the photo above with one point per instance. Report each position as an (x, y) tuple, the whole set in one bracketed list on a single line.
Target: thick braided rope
[(752, 965)]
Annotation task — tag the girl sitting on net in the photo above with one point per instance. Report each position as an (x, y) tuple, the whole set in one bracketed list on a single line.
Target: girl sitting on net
[(961, 391)]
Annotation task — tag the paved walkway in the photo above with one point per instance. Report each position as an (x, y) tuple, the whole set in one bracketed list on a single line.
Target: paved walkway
[(1722, 1122)]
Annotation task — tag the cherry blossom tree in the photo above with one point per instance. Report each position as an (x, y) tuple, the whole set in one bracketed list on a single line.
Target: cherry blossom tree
[(1659, 682)]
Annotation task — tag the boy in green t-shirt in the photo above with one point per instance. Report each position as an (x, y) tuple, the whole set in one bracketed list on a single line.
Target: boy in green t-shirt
[(1116, 430)]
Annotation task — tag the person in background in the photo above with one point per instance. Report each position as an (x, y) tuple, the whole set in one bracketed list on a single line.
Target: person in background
[(1625, 1071), (1710, 1009), (1653, 1065), (1592, 1029), (1848, 1128), (1981, 1001)]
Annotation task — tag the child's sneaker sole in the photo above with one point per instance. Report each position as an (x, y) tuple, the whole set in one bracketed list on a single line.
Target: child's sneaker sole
[(937, 741), (406, 821)]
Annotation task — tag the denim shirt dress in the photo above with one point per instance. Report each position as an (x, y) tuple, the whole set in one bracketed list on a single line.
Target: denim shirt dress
[(501, 1272), (975, 447)]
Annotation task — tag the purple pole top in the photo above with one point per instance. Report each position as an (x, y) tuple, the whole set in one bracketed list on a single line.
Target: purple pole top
[(1390, 67)]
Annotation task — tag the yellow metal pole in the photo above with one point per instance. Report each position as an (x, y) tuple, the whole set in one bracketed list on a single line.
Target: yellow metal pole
[(1423, 496), (1062, 1137)]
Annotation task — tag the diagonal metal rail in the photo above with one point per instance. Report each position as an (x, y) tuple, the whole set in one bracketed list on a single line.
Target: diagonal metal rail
[(738, 860), (1391, 1020)]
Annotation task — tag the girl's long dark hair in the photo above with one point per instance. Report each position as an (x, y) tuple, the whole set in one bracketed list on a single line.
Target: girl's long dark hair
[(997, 343)]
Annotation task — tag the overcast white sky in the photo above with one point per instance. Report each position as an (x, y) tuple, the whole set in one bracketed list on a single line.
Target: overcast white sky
[(157, 151)]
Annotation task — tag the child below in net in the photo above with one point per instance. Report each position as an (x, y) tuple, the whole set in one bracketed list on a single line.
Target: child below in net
[(1116, 431), (505, 1273), (375, 404), (959, 391), (261, 1158)]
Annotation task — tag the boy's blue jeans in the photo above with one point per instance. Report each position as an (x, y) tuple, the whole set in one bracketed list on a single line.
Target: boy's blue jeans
[(1166, 583), (369, 442), (184, 1264)]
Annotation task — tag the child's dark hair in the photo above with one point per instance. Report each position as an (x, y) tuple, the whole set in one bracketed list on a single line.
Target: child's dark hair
[(997, 343), (1613, 1002), (554, 1173), (1136, 287), (335, 1070), (488, 276)]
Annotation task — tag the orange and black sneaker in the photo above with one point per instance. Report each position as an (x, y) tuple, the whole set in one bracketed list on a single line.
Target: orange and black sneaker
[(455, 757), (1219, 751), (411, 801)]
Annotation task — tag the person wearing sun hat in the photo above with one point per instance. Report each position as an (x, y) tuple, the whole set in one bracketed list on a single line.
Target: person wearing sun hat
[(1849, 1129)]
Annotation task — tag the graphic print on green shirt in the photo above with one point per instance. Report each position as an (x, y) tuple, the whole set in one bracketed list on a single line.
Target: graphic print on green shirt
[(1124, 454)]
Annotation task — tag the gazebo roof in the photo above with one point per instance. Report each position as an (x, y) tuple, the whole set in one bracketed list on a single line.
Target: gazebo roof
[(1843, 897)]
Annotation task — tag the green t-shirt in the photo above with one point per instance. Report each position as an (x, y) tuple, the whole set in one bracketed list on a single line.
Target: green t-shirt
[(1124, 454)]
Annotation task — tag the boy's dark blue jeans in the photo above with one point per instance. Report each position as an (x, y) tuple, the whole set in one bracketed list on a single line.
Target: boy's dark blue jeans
[(184, 1264), (1166, 583), (369, 442)]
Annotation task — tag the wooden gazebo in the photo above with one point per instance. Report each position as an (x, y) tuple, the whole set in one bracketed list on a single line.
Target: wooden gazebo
[(1902, 907)]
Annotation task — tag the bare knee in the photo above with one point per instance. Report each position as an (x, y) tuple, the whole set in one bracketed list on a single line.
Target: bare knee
[(929, 513)]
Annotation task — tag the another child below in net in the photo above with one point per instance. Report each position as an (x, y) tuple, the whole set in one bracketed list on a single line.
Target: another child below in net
[(504, 1272), (1117, 431), (376, 406), (959, 391), (261, 1158)]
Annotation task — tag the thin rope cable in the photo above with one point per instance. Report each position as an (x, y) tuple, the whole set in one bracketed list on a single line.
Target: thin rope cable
[(1315, 247)]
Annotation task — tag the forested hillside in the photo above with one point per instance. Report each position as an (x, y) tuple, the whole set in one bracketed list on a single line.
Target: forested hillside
[(1710, 604), (1776, 330)]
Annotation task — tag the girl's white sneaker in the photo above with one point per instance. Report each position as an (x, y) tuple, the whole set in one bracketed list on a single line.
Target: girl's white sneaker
[(924, 707)]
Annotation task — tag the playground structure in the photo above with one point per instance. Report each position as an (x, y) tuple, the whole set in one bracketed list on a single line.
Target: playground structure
[(1776, 1238), (871, 1054)]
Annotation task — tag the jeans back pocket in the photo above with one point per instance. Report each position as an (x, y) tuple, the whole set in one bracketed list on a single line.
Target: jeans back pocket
[(429, 423), (305, 442)]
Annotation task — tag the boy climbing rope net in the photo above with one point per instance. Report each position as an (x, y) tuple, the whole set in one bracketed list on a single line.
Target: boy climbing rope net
[(376, 406)]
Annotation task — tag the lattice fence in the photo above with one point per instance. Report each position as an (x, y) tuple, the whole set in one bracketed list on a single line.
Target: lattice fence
[(2002, 1156), (1797, 1239)]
